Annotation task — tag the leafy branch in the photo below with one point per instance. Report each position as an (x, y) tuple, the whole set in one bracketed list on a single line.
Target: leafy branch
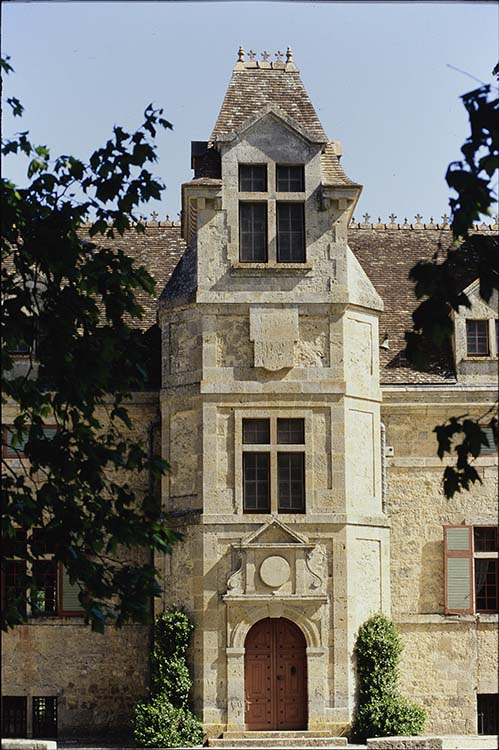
[(72, 303)]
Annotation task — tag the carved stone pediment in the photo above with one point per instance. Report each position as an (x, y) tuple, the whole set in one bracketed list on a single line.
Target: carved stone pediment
[(275, 561)]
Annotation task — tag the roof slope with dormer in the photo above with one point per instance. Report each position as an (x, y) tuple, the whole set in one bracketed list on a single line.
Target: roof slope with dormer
[(256, 85), (386, 252)]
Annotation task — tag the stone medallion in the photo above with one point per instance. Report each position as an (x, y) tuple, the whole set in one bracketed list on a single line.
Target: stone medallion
[(274, 571)]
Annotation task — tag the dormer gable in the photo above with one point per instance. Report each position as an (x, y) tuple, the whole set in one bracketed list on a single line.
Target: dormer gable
[(275, 532), (272, 110), (476, 331)]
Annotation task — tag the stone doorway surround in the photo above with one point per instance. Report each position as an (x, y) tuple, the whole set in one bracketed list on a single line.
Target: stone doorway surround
[(277, 573)]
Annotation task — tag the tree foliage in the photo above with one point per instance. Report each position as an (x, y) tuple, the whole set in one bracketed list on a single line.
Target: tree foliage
[(439, 281), (165, 720), (70, 304), (381, 710)]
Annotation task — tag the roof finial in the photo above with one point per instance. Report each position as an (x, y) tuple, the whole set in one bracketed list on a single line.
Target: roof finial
[(278, 55), (445, 219), (240, 54), (392, 218), (366, 218), (251, 55), (418, 218), (289, 55), (265, 56)]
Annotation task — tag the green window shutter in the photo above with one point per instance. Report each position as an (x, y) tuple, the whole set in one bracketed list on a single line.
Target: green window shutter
[(69, 595), (458, 551)]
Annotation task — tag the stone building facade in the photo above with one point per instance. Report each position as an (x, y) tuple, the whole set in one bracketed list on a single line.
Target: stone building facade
[(304, 475)]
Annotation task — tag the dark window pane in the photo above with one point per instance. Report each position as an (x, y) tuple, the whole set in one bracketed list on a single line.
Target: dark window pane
[(491, 447), (477, 338), (45, 718), (44, 591), (485, 538), (256, 431), (290, 179), (14, 585), (291, 482), (486, 585), (15, 546), (256, 482), (290, 233), (253, 178), (40, 543), (487, 709), (14, 716), (20, 347), (253, 232), (291, 431), (13, 443)]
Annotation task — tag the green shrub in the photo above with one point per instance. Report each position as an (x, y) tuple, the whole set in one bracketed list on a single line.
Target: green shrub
[(160, 724), (387, 717), (165, 720), (381, 710), (169, 671)]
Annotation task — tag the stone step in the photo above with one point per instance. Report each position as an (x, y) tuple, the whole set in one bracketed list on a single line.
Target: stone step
[(435, 742), (277, 734), (271, 740)]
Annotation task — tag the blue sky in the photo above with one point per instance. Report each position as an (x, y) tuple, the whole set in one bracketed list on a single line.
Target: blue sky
[(377, 74)]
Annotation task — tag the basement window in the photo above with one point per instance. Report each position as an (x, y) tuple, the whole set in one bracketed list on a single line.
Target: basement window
[(487, 713), (45, 718), (14, 716)]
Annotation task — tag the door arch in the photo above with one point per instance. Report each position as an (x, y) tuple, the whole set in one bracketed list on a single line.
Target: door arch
[(275, 676)]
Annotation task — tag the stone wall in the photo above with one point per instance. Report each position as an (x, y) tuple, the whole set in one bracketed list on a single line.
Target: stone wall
[(447, 659), (97, 678)]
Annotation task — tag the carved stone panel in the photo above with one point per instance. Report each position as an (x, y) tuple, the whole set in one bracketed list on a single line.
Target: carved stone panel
[(274, 332)]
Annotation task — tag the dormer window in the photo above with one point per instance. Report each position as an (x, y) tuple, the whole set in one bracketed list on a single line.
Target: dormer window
[(270, 230), (252, 232), (290, 178), (477, 338), (253, 178), (290, 233)]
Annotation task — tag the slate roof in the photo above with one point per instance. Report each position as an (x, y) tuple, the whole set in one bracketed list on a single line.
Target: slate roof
[(159, 250), (387, 256), (386, 252), (253, 88), (332, 171)]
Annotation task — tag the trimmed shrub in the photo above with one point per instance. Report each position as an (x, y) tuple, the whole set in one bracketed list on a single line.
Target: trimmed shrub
[(382, 711), (165, 720), (160, 724)]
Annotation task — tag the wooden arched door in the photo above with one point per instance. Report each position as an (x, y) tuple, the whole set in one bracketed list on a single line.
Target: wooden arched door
[(275, 676)]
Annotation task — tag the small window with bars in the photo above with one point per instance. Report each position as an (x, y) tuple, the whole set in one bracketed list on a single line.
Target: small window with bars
[(253, 178), (477, 338), (290, 178), (45, 718), (14, 716), (273, 479)]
